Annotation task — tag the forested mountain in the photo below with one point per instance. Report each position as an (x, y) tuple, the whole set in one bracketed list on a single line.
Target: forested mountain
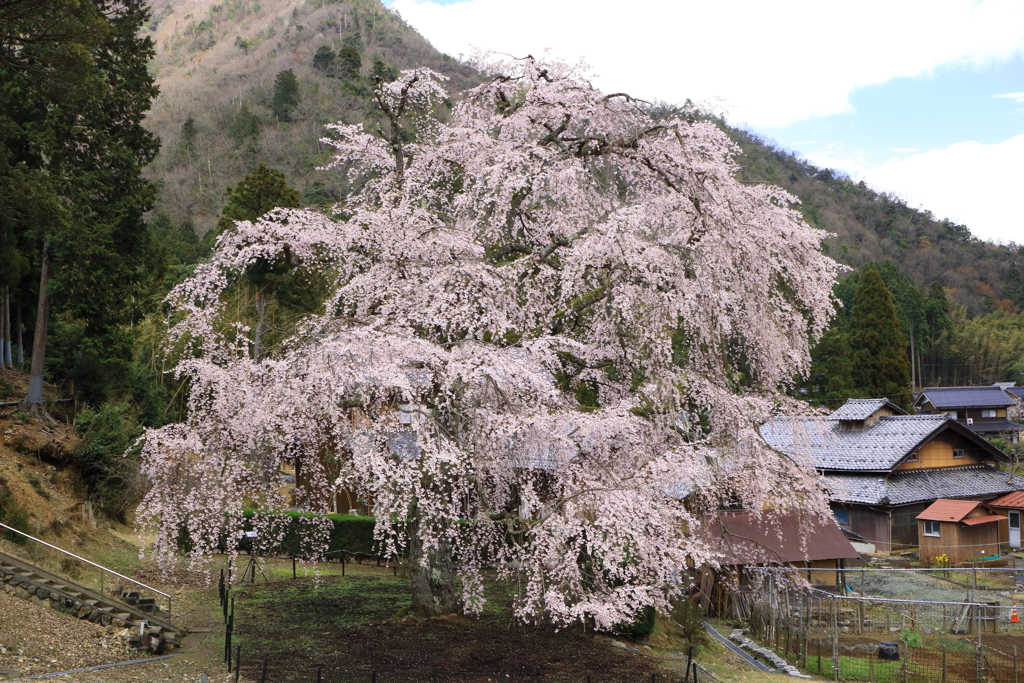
[(244, 82), (871, 227), (223, 110)]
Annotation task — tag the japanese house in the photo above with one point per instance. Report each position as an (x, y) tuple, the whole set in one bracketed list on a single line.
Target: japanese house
[(961, 530), (983, 410), (883, 467)]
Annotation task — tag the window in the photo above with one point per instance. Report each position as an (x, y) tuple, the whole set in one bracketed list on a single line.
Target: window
[(931, 528), (988, 413), (957, 453), (842, 516), (961, 414), (912, 457)]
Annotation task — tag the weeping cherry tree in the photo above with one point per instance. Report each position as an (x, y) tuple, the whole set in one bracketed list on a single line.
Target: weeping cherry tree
[(554, 326)]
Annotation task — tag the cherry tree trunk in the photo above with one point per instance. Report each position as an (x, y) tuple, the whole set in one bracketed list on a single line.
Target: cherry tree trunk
[(433, 575)]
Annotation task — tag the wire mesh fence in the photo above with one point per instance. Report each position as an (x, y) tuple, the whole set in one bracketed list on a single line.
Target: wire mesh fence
[(853, 635)]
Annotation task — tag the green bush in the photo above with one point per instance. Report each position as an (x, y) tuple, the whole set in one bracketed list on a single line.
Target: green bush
[(12, 513)]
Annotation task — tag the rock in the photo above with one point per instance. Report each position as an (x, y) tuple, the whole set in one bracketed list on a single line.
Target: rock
[(117, 624), (619, 644)]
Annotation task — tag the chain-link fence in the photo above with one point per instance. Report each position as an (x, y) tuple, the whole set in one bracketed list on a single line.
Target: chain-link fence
[(853, 635)]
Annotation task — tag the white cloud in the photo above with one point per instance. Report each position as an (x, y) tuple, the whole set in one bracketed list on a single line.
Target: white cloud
[(970, 183), (775, 62), (904, 150), (1015, 96)]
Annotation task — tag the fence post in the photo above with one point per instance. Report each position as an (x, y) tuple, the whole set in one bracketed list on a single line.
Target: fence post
[(974, 582), (263, 678), (1014, 664), (435, 674), (238, 662), (320, 674), (906, 664), (943, 664), (871, 666), (981, 652), (293, 567), (373, 676), (835, 640)]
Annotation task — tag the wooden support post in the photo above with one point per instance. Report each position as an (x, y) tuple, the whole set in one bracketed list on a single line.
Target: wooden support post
[(1014, 664), (906, 664), (871, 667), (943, 664)]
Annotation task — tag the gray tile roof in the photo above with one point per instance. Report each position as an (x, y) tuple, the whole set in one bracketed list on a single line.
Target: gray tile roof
[(916, 486), (1016, 391), (965, 397), (987, 427), (862, 409), (820, 443)]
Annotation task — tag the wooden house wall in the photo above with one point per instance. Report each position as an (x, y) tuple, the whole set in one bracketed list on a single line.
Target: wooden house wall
[(939, 453), (960, 543), (871, 524), (904, 532)]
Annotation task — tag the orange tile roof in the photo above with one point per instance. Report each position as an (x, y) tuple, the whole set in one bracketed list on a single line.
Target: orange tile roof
[(946, 510), (1010, 500), (971, 521)]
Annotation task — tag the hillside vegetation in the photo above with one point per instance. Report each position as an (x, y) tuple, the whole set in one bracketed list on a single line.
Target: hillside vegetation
[(217, 66)]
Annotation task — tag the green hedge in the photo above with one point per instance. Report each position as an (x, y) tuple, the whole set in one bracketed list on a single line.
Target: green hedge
[(351, 532)]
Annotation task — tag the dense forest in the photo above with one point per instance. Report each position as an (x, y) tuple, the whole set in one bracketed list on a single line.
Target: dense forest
[(217, 114)]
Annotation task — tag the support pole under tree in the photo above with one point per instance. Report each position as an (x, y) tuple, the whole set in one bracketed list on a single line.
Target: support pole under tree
[(944, 663), (33, 402)]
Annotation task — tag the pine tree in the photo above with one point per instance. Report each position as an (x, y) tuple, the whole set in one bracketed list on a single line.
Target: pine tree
[(879, 349), (323, 60), (286, 95), (187, 138), (350, 62)]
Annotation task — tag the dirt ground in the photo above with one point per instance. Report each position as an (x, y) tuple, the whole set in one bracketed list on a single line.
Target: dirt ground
[(351, 626)]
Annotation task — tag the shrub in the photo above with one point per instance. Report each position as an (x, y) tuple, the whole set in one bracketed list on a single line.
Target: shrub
[(106, 458), (689, 617), (12, 513)]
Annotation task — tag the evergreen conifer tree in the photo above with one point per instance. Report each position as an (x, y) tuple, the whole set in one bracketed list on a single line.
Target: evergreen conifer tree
[(879, 349), (286, 95)]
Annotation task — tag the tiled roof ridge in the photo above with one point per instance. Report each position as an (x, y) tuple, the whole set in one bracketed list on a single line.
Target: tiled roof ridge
[(983, 386)]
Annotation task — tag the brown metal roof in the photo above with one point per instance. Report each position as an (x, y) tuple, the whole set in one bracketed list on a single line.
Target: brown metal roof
[(776, 537), (946, 510), (1010, 500), (972, 521)]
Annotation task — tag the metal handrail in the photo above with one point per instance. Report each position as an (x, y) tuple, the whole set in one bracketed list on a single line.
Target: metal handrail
[(98, 566)]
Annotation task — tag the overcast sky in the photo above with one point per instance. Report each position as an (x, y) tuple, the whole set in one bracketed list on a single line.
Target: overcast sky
[(921, 98)]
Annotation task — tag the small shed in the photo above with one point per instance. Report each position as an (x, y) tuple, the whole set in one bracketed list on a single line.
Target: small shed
[(813, 545), (960, 529), (1011, 505)]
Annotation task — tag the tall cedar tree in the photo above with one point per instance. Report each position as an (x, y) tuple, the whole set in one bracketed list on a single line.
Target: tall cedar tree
[(879, 349), (85, 144)]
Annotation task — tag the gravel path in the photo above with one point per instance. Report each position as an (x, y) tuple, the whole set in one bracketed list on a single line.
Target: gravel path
[(35, 640), (918, 586)]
